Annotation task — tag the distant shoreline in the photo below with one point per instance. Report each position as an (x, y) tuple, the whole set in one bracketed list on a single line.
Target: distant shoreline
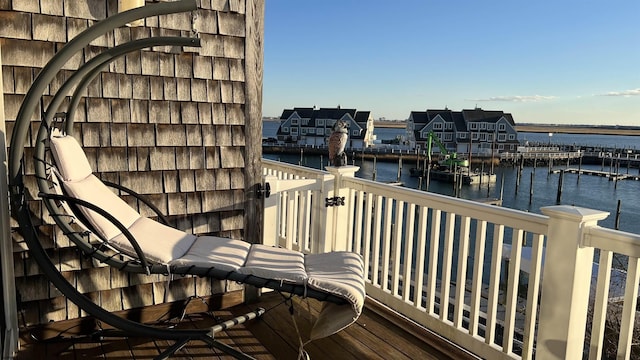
[(540, 128), (579, 129), (546, 128)]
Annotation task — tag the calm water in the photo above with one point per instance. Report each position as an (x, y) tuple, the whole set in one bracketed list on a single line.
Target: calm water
[(590, 191)]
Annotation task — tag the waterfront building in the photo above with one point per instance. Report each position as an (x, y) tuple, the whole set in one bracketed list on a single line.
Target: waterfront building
[(473, 130), (312, 126)]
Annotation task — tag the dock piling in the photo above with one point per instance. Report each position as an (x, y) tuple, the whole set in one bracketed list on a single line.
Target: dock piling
[(531, 189), (617, 222), (560, 181)]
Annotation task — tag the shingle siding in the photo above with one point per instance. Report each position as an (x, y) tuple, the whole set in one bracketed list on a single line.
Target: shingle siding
[(166, 122)]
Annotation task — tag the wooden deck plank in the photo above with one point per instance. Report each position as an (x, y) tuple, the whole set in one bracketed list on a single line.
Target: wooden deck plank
[(273, 336)]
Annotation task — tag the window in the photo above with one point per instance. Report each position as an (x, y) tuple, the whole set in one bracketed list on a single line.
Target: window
[(320, 122), (502, 127), (502, 137), (294, 131), (483, 126), (327, 131), (473, 126), (355, 133), (448, 126), (462, 135), (483, 136), (311, 131), (304, 131), (294, 121), (491, 127), (512, 136), (474, 136), (330, 123), (305, 122), (285, 129), (489, 137), (500, 147), (437, 126), (448, 136)]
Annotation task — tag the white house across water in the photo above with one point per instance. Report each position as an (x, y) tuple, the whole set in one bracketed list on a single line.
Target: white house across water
[(311, 126), (477, 130)]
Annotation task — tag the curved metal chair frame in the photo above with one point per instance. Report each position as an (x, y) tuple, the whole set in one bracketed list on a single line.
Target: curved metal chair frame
[(81, 79)]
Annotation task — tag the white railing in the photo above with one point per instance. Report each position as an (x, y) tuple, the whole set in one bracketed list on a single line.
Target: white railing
[(439, 261)]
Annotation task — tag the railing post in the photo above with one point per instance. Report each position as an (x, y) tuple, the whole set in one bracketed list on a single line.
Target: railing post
[(340, 211), (323, 220), (566, 282)]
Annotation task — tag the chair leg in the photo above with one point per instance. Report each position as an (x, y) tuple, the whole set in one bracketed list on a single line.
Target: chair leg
[(211, 341), (172, 349)]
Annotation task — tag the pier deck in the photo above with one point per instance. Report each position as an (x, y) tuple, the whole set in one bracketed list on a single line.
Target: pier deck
[(612, 176)]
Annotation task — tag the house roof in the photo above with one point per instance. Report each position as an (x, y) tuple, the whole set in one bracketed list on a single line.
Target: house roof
[(313, 114)]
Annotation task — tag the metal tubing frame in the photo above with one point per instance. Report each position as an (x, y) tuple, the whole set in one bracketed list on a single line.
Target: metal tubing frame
[(82, 78), (56, 63)]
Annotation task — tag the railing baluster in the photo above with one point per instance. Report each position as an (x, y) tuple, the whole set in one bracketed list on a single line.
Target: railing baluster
[(407, 277), (447, 260), (292, 212), (478, 267), (461, 279), (494, 283), (351, 220), (283, 214), (629, 309), (396, 244), (376, 240), (359, 205), (386, 242), (432, 272), (303, 229), (420, 255), (533, 291), (366, 246), (512, 290), (600, 305)]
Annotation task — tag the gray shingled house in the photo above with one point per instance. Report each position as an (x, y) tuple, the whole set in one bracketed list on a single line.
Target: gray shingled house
[(311, 126), (476, 129)]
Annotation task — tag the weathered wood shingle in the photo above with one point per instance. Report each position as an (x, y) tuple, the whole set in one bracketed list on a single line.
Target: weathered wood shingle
[(15, 25), (49, 28)]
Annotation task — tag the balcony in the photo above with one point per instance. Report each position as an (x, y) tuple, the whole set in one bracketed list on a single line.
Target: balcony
[(446, 278), (500, 283)]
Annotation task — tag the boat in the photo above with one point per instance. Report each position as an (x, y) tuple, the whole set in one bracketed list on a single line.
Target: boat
[(450, 168), (444, 174)]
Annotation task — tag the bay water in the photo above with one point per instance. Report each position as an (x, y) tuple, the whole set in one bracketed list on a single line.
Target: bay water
[(586, 191)]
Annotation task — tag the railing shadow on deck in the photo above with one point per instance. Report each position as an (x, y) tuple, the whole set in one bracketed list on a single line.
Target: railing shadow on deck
[(438, 260)]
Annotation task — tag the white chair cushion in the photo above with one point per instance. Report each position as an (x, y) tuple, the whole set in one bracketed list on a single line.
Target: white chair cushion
[(159, 242), (91, 189), (70, 158), (275, 263), (212, 251), (339, 273)]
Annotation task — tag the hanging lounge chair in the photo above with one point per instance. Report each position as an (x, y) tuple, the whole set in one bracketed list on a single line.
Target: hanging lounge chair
[(106, 228)]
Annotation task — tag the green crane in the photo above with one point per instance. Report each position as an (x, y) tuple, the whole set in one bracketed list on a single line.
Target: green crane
[(450, 159)]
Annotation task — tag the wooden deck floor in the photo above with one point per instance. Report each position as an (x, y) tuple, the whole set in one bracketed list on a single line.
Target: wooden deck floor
[(273, 336)]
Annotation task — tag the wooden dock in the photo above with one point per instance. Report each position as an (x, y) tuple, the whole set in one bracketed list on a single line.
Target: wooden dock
[(612, 176)]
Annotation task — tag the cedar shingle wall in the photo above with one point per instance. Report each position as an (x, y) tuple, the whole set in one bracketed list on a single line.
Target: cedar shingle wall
[(167, 123)]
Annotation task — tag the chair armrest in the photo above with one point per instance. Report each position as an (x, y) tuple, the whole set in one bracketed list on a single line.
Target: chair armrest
[(144, 200), (140, 254)]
